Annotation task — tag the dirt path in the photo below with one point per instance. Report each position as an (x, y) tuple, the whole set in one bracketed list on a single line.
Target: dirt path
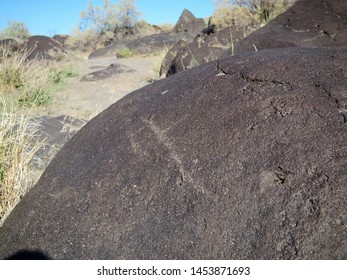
[(87, 99)]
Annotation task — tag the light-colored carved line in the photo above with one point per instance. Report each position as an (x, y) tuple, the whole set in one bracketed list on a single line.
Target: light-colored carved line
[(164, 140)]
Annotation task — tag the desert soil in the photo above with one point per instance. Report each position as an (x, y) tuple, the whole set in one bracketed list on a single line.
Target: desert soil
[(85, 100)]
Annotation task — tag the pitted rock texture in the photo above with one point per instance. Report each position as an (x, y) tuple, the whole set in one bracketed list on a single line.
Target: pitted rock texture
[(242, 158), (308, 23)]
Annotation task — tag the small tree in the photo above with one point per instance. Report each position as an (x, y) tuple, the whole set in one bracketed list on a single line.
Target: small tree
[(15, 30), (127, 13), (110, 16), (99, 25), (100, 18)]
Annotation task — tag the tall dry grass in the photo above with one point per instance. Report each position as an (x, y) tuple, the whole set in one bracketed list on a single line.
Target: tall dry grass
[(24, 85), (18, 145), (29, 82)]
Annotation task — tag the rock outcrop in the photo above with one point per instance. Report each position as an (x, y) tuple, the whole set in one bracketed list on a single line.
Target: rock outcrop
[(204, 48), (241, 158), (308, 23), (186, 28), (189, 23)]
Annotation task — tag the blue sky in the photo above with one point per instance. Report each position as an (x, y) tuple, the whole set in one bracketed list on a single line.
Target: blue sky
[(49, 17)]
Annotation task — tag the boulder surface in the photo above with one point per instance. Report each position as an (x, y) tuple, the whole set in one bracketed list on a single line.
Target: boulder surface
[(242, 158)]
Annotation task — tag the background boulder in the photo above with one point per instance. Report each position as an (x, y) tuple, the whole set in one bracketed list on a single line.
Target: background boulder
[(308, 23), (204, 48), (242, 158), (42, 47), (111, 70), (142, 45), (189, 23), (186, 28), (11, 44), (61, 38)]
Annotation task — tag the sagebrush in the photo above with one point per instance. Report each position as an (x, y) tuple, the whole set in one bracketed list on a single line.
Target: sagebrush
[(15, 30)]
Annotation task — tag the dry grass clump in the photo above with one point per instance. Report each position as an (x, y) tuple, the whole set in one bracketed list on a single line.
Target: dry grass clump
[(29, 82), (166, 27), (247, 12), (124, 52), (18, 146), (87, 40), (143, 28), (157, 66), (24, 84)]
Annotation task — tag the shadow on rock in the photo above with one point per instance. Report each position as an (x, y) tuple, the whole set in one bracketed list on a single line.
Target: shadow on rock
[(28, 255)]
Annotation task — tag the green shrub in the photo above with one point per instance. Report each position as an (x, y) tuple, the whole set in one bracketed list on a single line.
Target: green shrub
[(15, 30), (31, 82), (10, 79), (124, 52), (60, 75)]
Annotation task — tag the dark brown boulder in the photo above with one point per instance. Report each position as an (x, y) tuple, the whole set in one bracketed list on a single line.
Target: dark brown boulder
[(308, 23), (142, 45), (243, 158), (11, 44), (42, 47), (207, 46), (168, 66), (157, 42), (189, 23), (61, 38), (108, 72), (110, 50)]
